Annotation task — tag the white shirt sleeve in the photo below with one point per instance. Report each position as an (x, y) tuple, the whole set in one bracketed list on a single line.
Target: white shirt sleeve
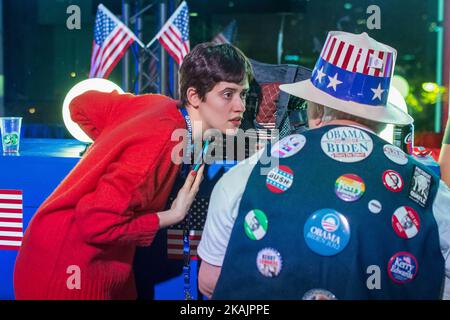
[(441, 211), (223, 210)]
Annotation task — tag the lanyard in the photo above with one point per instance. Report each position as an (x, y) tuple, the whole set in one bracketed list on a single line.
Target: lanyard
[(186, 231), (189, 127), (190, 147), (187, 158)]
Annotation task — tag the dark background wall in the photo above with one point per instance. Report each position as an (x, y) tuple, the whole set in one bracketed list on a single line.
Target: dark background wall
[(43, 59)]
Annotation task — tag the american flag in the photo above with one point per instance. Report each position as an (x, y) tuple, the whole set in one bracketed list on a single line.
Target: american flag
[(227, 35), (174, 35), (11, 219), (197, 220), (111, 40)]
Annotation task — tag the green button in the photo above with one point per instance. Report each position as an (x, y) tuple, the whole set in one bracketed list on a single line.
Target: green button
[(255, 224)]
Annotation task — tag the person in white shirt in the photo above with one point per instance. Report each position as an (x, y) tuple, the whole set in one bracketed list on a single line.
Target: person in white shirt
[(225, 248)]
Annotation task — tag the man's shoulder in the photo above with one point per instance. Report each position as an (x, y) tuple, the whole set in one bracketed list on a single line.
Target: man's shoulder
[(247, 164), (238, 175)]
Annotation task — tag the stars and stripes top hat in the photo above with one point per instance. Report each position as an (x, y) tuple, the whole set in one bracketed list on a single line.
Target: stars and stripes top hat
[(353, 75)]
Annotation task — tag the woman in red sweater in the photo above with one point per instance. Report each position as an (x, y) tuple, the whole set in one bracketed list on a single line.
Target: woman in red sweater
[(113, 200)]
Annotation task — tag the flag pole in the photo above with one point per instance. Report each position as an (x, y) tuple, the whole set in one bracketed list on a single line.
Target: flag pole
[(172, 17), (151, 42), (140, 42), (117, 20)]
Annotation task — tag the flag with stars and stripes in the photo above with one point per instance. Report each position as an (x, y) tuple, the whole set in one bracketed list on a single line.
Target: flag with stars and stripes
[(111, 40), (352, 71), (174, 35), (197, 218), (11, 219), (227, 35)]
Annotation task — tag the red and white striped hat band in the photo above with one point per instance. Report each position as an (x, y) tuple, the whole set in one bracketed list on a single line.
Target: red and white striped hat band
[(353, 58)]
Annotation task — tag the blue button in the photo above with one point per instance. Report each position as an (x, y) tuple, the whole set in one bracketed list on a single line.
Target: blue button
[(402, 267), (327, 232)]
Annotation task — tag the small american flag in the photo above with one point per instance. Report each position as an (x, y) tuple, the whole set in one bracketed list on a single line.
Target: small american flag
[(227, 35), (11, 219), (197, 220), (174, 35), (111, 40)]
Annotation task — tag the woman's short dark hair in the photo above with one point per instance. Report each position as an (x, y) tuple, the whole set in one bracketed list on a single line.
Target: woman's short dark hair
[(208, 64)]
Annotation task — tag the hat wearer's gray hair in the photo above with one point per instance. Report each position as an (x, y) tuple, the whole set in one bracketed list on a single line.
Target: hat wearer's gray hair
[(316, 111)]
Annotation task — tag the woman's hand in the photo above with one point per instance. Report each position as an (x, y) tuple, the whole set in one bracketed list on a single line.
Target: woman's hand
[(180, 206)]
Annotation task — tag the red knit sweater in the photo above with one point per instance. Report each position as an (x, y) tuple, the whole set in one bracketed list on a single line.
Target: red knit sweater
[(107, 205)]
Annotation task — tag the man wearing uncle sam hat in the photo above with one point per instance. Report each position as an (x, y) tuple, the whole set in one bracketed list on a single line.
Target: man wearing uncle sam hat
[(338, 213)]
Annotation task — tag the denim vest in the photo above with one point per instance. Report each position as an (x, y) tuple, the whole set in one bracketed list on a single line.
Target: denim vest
[(345, 217)]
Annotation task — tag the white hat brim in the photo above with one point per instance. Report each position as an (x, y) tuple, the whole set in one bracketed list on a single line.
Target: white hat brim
[(389, 114)]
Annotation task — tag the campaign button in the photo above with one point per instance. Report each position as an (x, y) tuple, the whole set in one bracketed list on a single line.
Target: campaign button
[(346, 144), (319, 294), (402, 267), (392, 181), (395, 154), (375, 206), (269, 262), (280, 179), (349, 187), (288, 146), (255, 224), (406, 222), (419, 189), (327, 232)]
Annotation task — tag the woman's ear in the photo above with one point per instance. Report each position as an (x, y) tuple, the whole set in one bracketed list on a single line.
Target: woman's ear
[(193, 97)]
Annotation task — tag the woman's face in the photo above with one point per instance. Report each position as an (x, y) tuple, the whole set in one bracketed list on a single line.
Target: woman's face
[(224, 107)]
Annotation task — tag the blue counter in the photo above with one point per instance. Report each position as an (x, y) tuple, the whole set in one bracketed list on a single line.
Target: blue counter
[(39, 168)]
